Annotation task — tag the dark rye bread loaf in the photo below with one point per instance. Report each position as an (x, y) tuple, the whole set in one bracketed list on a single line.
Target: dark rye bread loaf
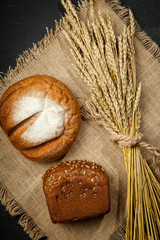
[(76, 190)]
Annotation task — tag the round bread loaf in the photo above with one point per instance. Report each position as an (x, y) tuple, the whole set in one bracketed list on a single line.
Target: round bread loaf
[(76, 190), (41, 117)]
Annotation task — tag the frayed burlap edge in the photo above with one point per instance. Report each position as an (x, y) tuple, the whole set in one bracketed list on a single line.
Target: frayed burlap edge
[(32, 53), (13, 207), (25, 58), (141, 35), (151, 47), (6, 198)]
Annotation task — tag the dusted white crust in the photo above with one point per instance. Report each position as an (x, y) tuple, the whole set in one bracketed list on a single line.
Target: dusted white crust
[(41, 117)]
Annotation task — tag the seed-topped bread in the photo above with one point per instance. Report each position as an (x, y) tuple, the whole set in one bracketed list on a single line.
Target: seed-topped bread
[(41, 117), (76, 190)]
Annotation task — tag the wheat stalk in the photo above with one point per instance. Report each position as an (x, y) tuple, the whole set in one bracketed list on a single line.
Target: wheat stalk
[(107, 64)]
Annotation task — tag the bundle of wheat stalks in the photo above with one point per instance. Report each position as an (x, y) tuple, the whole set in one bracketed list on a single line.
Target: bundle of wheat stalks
[(107, 64)]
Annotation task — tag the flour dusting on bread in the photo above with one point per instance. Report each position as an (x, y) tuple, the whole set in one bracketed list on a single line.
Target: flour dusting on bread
[(26, 107), (41, 117), (50, 123)]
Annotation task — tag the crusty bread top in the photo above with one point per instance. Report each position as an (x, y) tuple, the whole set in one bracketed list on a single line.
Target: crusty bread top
[(18, 120), (69, 170), (76, 190)]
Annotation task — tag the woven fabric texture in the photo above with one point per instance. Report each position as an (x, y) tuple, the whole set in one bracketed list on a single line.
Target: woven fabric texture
[(21, 183)]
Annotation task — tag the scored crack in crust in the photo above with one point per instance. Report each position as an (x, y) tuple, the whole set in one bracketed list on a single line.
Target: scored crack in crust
[(30, 107), (76, 190)]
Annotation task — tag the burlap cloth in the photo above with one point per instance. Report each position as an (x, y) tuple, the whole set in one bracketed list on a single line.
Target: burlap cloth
[(21, 183)]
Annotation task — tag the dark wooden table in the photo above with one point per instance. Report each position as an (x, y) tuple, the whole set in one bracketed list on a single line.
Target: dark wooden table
[(23, 22)]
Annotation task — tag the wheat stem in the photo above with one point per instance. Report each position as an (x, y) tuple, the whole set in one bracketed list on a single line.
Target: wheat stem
[(106, 63)]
